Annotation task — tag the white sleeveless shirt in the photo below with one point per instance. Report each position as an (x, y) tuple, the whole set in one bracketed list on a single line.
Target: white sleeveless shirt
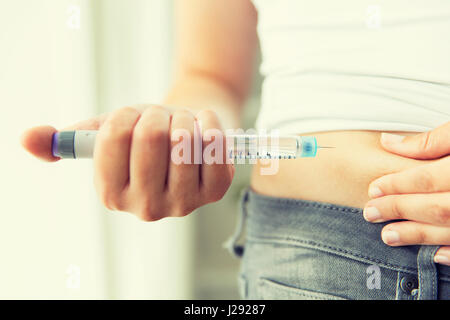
[(354, 65)]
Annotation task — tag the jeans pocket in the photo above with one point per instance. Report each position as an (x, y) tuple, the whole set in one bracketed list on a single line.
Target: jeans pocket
[(272, 290)]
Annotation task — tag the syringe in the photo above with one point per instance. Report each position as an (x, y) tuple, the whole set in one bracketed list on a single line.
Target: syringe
[(80, 144)]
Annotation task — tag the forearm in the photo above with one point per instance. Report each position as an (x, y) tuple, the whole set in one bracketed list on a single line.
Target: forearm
[(197, 91)]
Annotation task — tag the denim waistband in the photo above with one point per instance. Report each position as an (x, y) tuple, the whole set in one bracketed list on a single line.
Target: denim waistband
[(329, 227)]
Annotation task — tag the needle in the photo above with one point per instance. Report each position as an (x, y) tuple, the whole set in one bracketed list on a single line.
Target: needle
[(321, 147)]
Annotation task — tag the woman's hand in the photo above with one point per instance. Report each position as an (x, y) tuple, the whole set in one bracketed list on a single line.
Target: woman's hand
[(420, 195), (134, 169)]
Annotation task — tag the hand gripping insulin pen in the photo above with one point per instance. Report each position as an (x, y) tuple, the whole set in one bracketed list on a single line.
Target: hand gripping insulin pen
[(80, 144)]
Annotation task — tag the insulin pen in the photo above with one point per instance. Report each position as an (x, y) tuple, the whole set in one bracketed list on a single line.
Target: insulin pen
[(80, 144)]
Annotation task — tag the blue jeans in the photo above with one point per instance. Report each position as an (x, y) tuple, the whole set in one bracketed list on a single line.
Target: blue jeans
[(298, 249)]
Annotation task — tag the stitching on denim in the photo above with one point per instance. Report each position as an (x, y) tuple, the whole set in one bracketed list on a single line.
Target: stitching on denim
[(397, 288), (336, 250), (428, 259), (298, 203), (433, 270), (419, 271), (296, 291), (269, 202), (302, 203)]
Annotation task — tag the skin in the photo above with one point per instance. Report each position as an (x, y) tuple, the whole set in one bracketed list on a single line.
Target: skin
[(418, 196), (213, 70)]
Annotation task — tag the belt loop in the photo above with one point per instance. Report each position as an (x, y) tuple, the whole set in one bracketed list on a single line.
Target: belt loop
[(427, 273), (231, 244)]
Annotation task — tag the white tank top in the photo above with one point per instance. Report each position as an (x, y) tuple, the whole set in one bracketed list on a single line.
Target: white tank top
[(354, 64)]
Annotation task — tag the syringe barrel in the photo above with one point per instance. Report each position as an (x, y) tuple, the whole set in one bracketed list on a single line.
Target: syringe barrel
[(245, 146), (80, 144)]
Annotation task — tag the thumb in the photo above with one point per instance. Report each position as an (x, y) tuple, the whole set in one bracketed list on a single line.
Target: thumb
[(38, 140), (426, 145)]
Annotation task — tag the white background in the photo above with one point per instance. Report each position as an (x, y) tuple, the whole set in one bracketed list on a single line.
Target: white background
[(50, 217)]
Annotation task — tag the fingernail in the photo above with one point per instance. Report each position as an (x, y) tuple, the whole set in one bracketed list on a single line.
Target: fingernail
[(375, 192), (442, 260), (371, 214), (390, 237), (391, 138)]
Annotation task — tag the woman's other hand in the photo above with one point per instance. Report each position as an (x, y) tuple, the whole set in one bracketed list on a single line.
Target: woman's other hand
[(419, 197)]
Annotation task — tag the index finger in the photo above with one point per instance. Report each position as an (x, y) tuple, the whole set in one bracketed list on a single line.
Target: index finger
[(428, 178)]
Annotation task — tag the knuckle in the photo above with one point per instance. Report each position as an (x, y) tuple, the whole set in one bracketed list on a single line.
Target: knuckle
[(183, 113), (183, 208), (389, 184), (216, 194), (119, 120), (426, 141), (440, 214), (127, 110), (116, 133), (422, 236), (112, 201), (150, 211), (150, 135), (158, 136), (148, 216), (396, 209), (183, 139), (425, 181), (157, 108), (140, 134), (107, 203), (207, 115), (121, 135)]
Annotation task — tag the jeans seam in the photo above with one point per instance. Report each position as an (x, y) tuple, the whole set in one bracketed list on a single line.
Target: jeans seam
[(428, 261), (335, 250), (293, 202), (297, 290), (305, 203)]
